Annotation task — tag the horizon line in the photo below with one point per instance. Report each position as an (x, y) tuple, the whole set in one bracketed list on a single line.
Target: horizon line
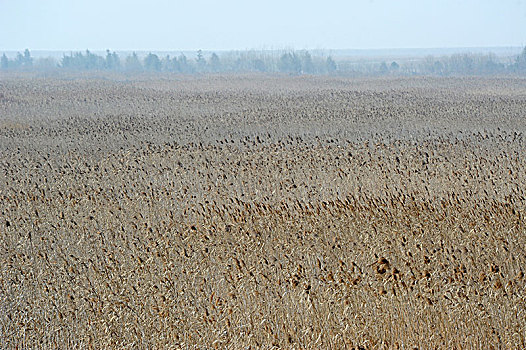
[(285, 48)]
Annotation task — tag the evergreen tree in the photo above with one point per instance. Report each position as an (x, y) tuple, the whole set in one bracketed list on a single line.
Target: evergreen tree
[(4, 62), (92, 61), (330, 65), (112, 60), (383, 68), (152, 62), (200, 61), (215, 63), (27, 60), (284, 62), (290, 63), (166, 64), (79, 61), (306, 63), (19, 61), (184, 65), (133, 63)]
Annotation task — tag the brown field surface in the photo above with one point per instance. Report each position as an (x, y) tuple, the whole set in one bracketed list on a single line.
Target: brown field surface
[(262, 212)]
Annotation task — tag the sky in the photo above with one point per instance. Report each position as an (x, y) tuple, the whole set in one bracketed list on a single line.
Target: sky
[(162, 25)]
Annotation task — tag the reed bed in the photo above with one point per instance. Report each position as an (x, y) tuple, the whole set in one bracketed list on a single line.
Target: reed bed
[(262, 212)]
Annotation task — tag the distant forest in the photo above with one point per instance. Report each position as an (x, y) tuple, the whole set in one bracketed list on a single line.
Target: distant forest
[(290, 62)]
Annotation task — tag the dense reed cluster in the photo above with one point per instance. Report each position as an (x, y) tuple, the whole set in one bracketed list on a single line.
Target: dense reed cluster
[(262, 212)]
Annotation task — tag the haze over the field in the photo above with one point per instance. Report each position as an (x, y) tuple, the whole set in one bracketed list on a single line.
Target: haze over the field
[(231, 24)]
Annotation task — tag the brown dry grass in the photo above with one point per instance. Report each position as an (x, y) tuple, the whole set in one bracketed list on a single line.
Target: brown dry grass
[(261, 212)]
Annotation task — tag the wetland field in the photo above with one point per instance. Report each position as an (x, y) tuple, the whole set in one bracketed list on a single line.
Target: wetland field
[(262, 212)]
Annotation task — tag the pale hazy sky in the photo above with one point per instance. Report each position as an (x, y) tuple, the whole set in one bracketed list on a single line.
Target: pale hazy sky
[(232, 24)]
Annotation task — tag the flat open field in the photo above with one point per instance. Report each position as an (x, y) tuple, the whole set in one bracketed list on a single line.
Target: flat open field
[(262, 212)]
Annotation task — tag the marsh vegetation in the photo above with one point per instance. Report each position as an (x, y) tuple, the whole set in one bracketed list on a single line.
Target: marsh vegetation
[(263, 212)]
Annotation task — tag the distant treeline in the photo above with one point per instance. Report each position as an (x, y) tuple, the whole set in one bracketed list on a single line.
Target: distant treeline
[(291, 62)]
